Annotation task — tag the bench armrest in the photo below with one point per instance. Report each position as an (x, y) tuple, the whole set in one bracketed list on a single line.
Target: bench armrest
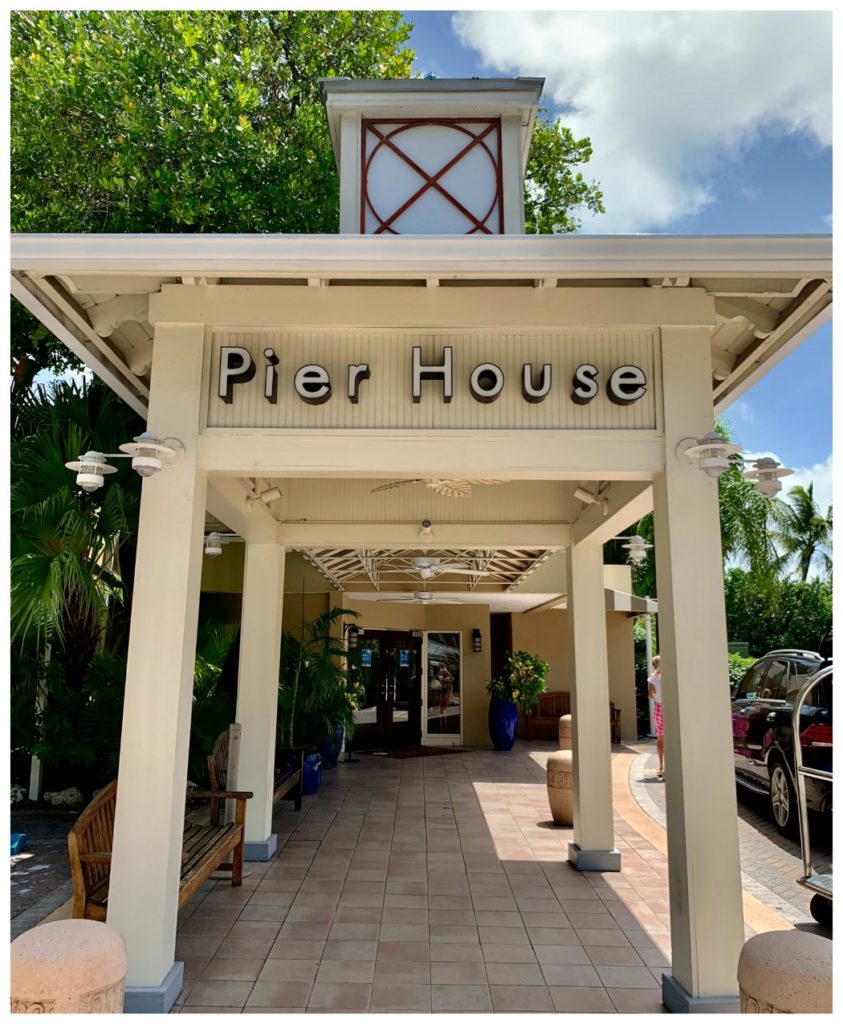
[(95, 857), (218, 794)]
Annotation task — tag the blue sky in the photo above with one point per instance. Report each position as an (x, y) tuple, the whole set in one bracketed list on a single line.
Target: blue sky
[(732, 137)]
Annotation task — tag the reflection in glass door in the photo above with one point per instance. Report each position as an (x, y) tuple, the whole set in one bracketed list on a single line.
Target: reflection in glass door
[(443, 690), (388, 665)]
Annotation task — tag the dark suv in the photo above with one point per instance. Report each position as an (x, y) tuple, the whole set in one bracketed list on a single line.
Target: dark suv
[(762, 733)]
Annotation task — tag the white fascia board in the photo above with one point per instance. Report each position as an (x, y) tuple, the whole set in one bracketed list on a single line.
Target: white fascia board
[(360, 256)]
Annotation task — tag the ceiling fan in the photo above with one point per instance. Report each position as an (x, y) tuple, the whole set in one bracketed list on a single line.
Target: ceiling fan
[(421, 597), (429, 568), (445, 488)]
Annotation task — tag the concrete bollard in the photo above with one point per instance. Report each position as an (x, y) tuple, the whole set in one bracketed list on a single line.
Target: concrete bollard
[(785, 972), (565, 732), (560, 794), (69, 967)]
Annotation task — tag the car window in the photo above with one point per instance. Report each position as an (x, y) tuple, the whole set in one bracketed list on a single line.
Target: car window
[(820, 695), (799, 672), (748, 689), (774, 686)]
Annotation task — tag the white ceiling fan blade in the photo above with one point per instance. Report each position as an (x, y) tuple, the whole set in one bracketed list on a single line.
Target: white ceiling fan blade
[(395, 483), (450, 488), (446, 569)]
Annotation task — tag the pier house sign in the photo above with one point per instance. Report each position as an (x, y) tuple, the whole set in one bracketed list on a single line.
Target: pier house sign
[(460, 381)]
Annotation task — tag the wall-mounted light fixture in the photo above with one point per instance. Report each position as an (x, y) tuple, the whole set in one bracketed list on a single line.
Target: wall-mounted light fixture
[(352, 634), (476, 641), (766, 475), (710, 454), (148, 453), (215, 540), (636, 548)]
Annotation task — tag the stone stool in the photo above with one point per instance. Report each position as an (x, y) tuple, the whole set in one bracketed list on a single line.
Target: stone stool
[(69, 967), (560, 793), (785, 972), (565, 732)]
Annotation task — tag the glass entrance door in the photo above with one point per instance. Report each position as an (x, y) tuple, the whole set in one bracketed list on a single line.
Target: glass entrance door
[(443, 689), (388, 664)]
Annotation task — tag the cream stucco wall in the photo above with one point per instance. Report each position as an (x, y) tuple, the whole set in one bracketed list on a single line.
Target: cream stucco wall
[(546, 634)]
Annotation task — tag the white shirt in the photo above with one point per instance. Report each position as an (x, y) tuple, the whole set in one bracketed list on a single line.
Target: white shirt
[(655, 681)]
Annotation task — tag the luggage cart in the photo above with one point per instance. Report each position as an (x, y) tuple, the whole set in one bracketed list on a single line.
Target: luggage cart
[(820, 885)]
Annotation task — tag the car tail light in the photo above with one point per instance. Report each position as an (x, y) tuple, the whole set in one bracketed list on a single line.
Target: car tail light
[(817, 736)]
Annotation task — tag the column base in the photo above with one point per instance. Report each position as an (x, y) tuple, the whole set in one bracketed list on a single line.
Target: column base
[(593, 860), (155, 998), (262, 850), (677, 1000)]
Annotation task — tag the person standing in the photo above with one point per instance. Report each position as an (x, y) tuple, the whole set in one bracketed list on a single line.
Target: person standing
[(654, 691)]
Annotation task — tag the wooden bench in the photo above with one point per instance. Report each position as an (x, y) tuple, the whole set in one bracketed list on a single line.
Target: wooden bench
[(287, 782), (543, 720), (204, 847)]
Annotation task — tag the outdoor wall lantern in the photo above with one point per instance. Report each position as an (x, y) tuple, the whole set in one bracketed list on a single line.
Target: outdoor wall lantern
[(637, 548), (476, 641), (766, 475), (352, 632), (710, 454), (215, 540), (147, 452)]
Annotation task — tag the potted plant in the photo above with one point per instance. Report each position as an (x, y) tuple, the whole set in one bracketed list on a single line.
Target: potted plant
[(520, 683), (317, 696)]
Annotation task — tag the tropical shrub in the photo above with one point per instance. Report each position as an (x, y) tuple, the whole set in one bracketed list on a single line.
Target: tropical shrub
[(795, 614), (522, 680)]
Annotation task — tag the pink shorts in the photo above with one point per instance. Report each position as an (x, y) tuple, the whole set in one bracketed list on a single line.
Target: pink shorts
[(657, 718)]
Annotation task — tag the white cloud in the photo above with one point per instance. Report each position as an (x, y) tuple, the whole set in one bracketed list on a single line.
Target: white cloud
[(666, 96), (743, 410)]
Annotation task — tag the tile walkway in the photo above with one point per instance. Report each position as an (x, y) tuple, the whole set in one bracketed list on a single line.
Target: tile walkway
[(430, 884)]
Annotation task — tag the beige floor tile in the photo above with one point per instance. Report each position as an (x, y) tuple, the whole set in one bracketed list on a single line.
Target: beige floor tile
[(567, 999), (248, 947), (271, 897), (197, 945), (219, 993), (520, 999), (254, 930), (405, 901), (561, 955), (408, 932), (358, 915), (614, 956), (453, 917), (490, 934), (232, 968), (458, 901), (349, 949), (627, 977), (310, 915), (515, 974), (504, 953), (602, 937), (345, 996), (288, 970), (461, 998), (637, 1000), (354, 932), (396, 950), (392, 996), (403, 972), (459, 973), (210, 1009), (279, 994), (259, 912), (290, 949), (336, 971), (456, 952), (194, 966), (575, 975), (653, 956), (204, 926)]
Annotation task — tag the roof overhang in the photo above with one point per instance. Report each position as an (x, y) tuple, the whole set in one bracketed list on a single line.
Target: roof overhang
[(770, 292)]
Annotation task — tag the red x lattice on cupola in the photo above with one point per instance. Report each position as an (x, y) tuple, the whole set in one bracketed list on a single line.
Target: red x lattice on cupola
[(422, 171)]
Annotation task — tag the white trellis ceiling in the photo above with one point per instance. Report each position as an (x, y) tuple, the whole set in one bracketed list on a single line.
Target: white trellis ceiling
[(499, 569)]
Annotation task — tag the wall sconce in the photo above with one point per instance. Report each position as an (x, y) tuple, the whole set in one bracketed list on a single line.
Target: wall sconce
[(710, 454), (215, 540), (352, 633), (637, 548), (476, 641), (766, 475), (147, 451)]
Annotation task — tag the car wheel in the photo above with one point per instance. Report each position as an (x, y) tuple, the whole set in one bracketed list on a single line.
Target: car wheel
[(783, 800), (821, 910)]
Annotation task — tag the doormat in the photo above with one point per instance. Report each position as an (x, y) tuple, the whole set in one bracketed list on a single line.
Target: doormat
[(414, 752)]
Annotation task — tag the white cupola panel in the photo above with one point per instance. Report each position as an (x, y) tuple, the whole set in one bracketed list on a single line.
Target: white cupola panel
[(422, 157)]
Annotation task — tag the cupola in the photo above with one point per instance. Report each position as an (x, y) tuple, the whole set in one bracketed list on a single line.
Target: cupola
[(432, 156)]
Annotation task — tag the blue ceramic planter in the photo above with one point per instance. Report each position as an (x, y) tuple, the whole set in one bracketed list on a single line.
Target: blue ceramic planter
[(312, 774), (331, 746), (503, 723)]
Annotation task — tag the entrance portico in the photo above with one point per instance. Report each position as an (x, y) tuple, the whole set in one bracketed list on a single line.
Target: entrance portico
[(327, 367)]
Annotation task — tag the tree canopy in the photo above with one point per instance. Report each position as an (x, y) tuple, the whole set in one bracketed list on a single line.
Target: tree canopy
[(208, 121)]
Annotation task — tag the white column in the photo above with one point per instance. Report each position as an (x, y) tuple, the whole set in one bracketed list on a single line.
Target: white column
[(143, 897), (257, 689), (593, 848), (704, 864)]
